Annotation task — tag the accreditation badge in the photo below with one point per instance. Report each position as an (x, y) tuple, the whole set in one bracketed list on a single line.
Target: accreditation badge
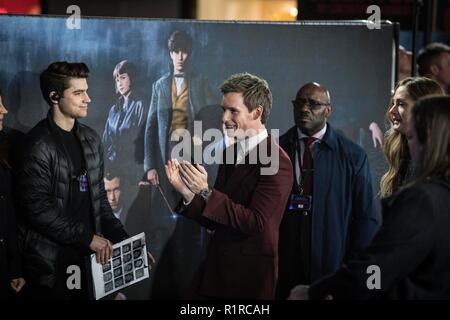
[(299, 202), (83, 182)]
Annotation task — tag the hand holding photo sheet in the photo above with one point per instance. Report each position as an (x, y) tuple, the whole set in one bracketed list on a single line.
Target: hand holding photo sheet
[(128, 265)]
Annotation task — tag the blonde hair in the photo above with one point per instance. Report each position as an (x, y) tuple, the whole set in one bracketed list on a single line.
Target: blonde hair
[(395, 146), (255, 92)]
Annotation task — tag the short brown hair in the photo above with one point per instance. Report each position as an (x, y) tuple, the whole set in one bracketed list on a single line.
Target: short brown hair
[(427, 56), (57, 76), (255, 91)]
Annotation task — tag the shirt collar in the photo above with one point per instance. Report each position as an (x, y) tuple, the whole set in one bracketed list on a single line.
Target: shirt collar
[(118, 213), (126, 99), (318, 135), (247, 145)]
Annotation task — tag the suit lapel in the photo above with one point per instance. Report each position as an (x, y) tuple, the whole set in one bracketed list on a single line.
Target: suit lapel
[(167, 90), (290, 146), (165, 115), (323, 172), (167, 98), (233, 175)]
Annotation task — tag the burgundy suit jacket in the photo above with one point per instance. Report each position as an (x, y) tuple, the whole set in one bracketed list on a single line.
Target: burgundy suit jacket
[(244, 209)]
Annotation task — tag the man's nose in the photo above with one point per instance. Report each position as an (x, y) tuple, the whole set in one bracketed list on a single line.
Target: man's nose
[(225, 116), (87, 98), (305, 107)]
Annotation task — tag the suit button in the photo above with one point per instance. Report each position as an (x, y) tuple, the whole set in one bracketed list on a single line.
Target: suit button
[(2, 241), (2, 197), (305, 213)]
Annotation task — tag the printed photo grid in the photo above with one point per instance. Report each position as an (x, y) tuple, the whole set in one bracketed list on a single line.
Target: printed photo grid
[(128, 265)]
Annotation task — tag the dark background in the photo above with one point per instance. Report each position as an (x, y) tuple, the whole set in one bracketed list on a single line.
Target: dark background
[(355, 63)]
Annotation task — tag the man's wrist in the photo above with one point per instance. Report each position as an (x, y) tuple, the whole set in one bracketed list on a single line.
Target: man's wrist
[(205, 193), (188, 196)]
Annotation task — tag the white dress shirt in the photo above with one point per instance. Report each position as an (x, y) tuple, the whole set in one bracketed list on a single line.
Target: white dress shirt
[(246, 145), (178, 83)]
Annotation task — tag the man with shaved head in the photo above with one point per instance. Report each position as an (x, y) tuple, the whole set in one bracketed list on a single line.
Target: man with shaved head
[(330, 214)]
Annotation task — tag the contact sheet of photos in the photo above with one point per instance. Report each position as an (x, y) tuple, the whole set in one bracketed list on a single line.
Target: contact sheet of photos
[(128, 265)]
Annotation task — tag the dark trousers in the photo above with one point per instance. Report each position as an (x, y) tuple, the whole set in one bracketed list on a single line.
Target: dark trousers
[(294, 252), (60, 290)]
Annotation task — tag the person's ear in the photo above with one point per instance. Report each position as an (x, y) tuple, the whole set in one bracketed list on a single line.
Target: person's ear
[(54, 97), (328, 111), (257, 112), (434, 69)]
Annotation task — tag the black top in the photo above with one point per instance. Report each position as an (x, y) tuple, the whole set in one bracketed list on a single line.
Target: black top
[(44, 182), (79, 208), (79, 205), (410, 251)]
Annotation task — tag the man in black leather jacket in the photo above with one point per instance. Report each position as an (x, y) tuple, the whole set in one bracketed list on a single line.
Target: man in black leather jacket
[(65, 213)]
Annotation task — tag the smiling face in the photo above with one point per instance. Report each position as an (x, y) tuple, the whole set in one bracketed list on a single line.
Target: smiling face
[(74, 102), (123, 83), (400, 109), (3, 111), (236, 116)]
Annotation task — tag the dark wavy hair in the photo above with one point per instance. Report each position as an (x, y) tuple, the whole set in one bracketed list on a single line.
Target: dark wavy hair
[(57, 76)]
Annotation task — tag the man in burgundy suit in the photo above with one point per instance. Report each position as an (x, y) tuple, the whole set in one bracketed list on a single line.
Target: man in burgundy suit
[(246, 204)]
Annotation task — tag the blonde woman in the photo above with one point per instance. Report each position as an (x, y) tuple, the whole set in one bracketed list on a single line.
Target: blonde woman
[(395, 147)]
